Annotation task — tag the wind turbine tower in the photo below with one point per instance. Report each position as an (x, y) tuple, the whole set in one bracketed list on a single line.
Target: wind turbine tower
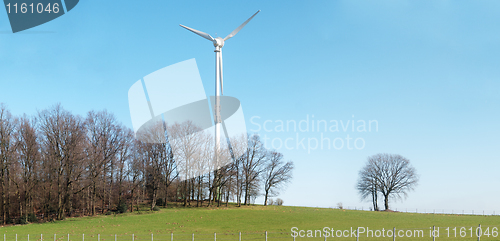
[(219, 82)]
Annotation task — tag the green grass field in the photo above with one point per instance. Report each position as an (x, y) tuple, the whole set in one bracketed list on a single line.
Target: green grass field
[(252, 221)]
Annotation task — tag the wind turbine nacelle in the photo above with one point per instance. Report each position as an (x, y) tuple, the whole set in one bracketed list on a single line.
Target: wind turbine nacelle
[(219, 42)]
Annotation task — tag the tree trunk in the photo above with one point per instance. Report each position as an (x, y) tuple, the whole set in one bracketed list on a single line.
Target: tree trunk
[(386, 202), (2, 202), (227, 197), (246, 194), (186, 192), (375, 201)]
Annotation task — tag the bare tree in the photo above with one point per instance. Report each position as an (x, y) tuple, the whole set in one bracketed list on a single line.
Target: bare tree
[(367, 185), (7, 127), (237, 148), (63, 142), (391, 175), (123, 157), (252, 166), (203, 166), (136, 174), (169, 170), (158, 157), (28, 157), (276, 174), (186, 140), (105, 140)]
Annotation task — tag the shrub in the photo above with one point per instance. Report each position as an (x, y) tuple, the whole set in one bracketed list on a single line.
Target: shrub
[(32, 218), (340, 206), (270, 201), (160, 202), (22, 220), (279, 201), (156, 208), (122, 208), (108, 213)]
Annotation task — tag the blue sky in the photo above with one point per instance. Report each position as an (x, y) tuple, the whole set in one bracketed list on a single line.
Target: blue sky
[(426, 71)]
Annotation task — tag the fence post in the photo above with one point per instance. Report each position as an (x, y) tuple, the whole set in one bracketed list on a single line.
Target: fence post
[(28, 237), (132, 237), (151, 236), (16, 236), (171, 236), (357, 234), (115, 236), (83, 237), (394, 234), (193, 237), (68, 237), (54, 237), (240, 236), (215, 236), (479, 233), (98, 237), (4, 237), (266, 236), (433, 234)]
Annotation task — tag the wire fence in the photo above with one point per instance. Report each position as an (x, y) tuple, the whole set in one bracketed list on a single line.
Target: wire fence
[(433, 211), (434, 233)]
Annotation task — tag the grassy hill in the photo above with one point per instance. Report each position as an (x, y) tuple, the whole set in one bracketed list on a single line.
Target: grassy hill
[(252, 221)]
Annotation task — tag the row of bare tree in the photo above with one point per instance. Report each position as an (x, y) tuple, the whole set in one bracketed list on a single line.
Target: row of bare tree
[(59, 164)]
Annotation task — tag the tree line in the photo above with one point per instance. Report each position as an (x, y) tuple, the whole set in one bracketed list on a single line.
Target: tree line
[(56, 164)]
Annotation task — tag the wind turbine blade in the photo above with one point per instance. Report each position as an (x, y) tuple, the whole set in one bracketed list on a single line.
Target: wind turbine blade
[(204, 35), (234, 32), (221, 74)]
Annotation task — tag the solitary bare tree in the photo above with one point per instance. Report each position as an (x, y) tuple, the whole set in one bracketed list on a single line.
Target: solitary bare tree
[(391, 175)]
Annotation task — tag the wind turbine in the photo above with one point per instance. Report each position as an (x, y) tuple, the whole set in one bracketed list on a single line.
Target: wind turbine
[(219, 82)]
